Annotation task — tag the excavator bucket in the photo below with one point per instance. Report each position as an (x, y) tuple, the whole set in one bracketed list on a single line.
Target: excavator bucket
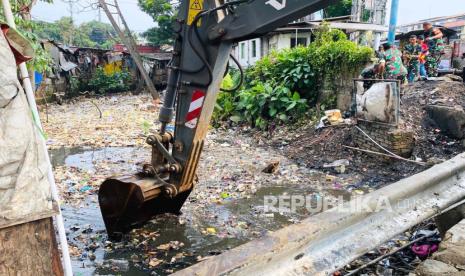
[(129, 201)]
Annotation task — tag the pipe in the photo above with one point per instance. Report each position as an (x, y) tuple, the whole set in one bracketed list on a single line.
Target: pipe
[(51, 179), (393, 22)]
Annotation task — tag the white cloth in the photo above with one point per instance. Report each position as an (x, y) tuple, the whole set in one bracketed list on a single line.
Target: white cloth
[(25, 193)]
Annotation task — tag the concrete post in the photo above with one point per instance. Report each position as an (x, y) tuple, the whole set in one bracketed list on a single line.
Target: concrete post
[(393, 21)]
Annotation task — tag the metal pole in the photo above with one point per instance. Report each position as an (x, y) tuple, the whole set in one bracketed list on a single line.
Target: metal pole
[(127, 40), (393, 22), (51, 179)]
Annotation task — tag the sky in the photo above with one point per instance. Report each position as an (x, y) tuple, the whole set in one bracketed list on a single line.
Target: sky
[(409, 11), (414, 10), (83, 11)]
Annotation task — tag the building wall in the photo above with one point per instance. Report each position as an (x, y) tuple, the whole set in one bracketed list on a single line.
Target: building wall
[(247, 56), (435, 21), (248, 52)]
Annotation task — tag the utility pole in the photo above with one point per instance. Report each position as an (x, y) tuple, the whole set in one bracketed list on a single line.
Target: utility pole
[(356, 16), (357, 10), (71, 14), (393, 21), (379, 18), (128, 41)]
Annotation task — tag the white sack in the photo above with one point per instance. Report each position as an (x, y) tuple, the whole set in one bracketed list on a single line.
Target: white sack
[(378, 103), (25, 193)]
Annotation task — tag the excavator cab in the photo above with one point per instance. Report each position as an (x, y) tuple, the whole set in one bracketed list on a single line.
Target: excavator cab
[(205, 32)]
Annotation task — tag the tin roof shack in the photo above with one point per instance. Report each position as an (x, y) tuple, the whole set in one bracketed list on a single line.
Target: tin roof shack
[(72, 66), (157, 66), (450, 52), (89, 59)]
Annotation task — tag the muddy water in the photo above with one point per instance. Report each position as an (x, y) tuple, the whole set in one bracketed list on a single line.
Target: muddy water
[(208, 225)]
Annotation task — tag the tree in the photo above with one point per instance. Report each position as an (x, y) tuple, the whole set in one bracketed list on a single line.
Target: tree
[(162, 12), (88, 34), (21, 11), (344, 7)]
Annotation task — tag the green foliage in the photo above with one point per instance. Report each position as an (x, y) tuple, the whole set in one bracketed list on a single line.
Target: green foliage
[(263, 103), (41, 59), (103, 84), (282, 86), (89, 34), (307, 69), (259, 105), (162, 12), (146, 125), (344, 7)]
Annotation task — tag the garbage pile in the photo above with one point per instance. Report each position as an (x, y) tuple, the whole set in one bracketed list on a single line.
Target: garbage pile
[(399, 256), (434, 141)]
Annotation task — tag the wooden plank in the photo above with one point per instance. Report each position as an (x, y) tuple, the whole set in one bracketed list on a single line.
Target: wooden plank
[(30, 249)]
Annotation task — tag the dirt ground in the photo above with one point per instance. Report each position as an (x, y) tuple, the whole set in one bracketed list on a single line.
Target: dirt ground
[(315, 148), (94, 138)]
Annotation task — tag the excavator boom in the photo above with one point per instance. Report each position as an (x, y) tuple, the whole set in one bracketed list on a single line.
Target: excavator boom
[(205, 32)]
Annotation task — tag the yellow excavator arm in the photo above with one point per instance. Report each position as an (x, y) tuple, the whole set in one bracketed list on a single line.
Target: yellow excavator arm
[(204, 31)]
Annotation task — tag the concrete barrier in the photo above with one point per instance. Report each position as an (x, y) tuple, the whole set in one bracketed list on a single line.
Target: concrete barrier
[(326, 242)]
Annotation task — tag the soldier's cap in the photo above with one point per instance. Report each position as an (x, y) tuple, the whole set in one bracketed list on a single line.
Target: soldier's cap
[(413, 36), (387, 45), (421, 37)]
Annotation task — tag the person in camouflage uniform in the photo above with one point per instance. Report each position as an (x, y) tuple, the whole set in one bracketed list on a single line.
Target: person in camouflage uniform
[(394, 68), (411, 54), (433, 37), (369, 74)]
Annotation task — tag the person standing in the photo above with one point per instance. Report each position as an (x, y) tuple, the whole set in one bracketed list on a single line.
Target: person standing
[(369, 74), (394, 68), (380, 53), (433, 37), (422, 57), (411, 55)]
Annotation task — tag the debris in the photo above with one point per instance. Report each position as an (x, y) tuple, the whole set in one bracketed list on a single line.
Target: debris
[(117, 265), (225, 195), (330, 178), (85, 189), (334, 117), (173, 245), (211, 231), (338, 165), (451, 250), (227, 174), (272, 167), (154, 262), (449, 119), (435, 268)]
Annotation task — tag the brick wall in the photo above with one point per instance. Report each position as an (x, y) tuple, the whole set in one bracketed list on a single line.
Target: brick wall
[(396, 140)]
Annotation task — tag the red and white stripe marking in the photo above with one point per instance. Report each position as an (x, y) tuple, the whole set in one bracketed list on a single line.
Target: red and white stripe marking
[(195, 109)]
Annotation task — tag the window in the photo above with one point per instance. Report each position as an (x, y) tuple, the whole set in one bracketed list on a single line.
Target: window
[(254, 48), (242, 50), (299, 41)]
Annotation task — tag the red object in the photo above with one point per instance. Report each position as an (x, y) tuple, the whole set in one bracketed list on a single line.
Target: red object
[(143, 49), (424, 52), (195, 109), (20, 58), (425, 250)]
